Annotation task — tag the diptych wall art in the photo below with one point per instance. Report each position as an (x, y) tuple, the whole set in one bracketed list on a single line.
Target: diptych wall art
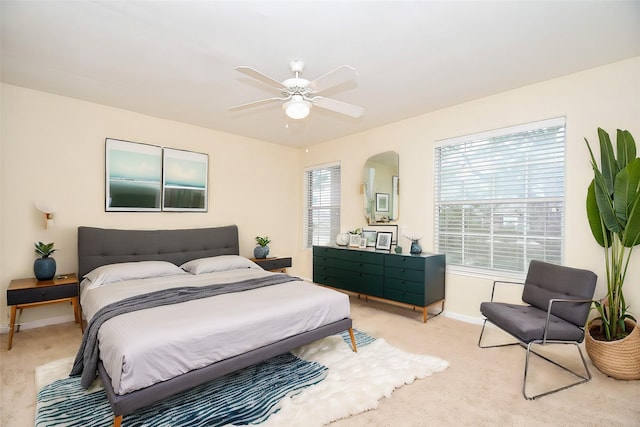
[(149, 178)]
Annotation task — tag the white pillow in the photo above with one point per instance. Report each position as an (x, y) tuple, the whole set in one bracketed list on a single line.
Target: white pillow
[(111, 273), (218, 263)]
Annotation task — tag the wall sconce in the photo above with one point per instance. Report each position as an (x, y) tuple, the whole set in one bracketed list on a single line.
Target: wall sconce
[(48, 212)]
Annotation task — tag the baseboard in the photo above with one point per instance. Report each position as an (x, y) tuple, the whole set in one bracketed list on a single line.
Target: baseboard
[(463, 317), (40, 323)]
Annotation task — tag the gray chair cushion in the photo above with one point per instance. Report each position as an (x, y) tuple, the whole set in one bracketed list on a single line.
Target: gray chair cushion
[(527, 323), (546, 281)]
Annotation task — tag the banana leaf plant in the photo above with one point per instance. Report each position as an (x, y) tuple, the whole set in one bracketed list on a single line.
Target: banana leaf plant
[(613, 210)]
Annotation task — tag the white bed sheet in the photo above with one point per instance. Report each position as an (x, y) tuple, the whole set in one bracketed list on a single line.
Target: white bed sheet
[(144, 347)]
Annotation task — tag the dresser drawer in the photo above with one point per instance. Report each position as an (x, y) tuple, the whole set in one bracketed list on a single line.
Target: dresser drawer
[(274, 263), (48, 293), (326, 251), (405, 261), (404, 274), (361, 267), (363, 283), (364, 257), (405, 297), (404, 285)]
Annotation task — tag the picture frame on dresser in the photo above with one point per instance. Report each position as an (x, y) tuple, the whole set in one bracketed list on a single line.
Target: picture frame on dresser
[(379, 227), (354, 240), (383, 240), (370, 237)]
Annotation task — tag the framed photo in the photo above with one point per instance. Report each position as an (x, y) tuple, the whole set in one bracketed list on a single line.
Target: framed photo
[(383, 240), (133, 176), (392, 228), (363, 243), (370, 237), (382, 202), (354, 240), (184, 181)]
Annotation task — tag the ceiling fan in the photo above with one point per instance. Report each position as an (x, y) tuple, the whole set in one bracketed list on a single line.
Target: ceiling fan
[(301, 94)]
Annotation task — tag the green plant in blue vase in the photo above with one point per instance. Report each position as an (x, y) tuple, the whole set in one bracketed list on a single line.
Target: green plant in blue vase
[(44, 267)]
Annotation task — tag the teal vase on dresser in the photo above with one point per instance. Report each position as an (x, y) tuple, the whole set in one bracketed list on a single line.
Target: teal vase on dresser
[(44, 268)]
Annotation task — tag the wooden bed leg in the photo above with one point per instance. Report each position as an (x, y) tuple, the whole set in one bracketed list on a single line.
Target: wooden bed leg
[(353, 340), (117, 420)]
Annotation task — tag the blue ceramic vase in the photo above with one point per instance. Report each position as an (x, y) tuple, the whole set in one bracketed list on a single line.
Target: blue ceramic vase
[(44, 268), (415, 247), (261, 251)]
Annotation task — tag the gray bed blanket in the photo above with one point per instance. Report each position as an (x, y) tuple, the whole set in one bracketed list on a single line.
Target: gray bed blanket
[(86, 362)]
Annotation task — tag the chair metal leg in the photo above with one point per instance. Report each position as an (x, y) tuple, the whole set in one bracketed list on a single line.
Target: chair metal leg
[(583, 378), (492, 346)]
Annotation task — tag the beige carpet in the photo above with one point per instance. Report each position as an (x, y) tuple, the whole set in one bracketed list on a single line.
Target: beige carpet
[(482, 387)]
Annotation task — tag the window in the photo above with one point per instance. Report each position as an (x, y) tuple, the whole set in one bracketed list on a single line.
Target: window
[(499, 198), (322, 205)]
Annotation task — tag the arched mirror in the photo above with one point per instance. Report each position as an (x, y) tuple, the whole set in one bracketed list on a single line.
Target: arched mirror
[(380, 187)]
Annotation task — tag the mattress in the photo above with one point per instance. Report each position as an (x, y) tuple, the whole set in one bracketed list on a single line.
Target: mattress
[(148, 346)]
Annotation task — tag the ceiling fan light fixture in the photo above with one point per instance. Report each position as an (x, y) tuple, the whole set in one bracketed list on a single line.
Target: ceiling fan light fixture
[(297, 108)]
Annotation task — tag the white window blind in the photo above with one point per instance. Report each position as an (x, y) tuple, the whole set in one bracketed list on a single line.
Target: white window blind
[(322, 207), (499, 198)]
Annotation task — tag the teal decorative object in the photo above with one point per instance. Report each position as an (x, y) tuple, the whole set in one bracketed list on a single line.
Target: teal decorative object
[(44, 267), (261, 251), (415, 247), (262, 248), (398, 249)]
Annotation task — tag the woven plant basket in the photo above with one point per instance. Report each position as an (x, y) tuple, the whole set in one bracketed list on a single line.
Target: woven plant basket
[(618, 359)]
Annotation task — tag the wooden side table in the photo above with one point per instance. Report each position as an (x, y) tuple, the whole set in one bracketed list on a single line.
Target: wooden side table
[(275, 264), (27, 293)]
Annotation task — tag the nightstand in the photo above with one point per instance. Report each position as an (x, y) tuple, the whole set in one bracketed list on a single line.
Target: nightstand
[(275, 264), (27, 293)]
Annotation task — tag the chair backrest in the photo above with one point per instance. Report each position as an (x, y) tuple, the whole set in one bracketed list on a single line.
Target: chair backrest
[(547, 281)]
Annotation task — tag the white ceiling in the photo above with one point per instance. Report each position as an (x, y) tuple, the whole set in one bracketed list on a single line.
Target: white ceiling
[(176, 59)]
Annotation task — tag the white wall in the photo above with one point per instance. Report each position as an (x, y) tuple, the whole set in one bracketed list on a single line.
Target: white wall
[(52, 149), (607, 96)]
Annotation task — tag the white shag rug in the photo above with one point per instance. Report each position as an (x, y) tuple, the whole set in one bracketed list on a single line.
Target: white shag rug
[(355, 382)]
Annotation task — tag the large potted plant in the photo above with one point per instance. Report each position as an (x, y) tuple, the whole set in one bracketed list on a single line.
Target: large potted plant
[(613, 209)]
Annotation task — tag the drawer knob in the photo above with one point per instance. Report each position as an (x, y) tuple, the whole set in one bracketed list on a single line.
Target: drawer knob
[(42, 293)]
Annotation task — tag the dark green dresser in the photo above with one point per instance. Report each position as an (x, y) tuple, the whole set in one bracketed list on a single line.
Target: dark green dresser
[(413, 280)]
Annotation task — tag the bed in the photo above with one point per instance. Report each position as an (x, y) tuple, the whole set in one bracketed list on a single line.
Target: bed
[(149, 354)]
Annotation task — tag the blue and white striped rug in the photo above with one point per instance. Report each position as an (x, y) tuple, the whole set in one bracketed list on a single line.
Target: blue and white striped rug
[(248, 396)]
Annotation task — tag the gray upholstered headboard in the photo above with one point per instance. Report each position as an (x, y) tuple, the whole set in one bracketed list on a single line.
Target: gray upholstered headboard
[(99, 246)]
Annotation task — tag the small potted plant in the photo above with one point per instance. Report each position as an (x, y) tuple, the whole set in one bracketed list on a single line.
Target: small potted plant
[(44, 267), (262, 247)]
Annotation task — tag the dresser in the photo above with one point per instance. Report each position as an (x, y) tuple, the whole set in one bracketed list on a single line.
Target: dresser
[(416, 281)]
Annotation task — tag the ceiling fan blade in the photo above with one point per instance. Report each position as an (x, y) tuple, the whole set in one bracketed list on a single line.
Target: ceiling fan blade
[(253, 73), (255, 103), (333, 78), (337, 106)]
